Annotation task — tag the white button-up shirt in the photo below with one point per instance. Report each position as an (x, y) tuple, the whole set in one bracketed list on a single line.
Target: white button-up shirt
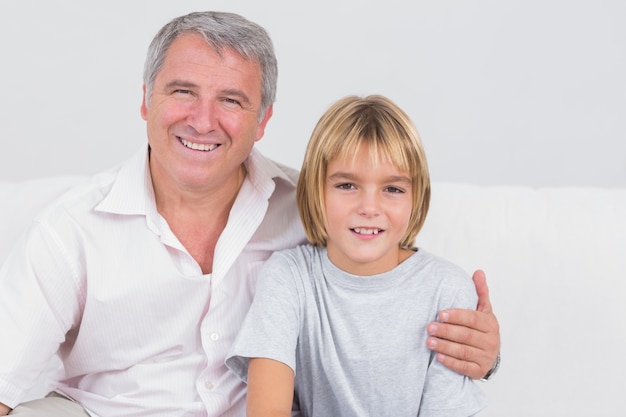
[(141, 331)]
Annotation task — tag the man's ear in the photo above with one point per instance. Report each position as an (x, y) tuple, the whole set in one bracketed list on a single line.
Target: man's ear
[(260, 130), (144, 107)]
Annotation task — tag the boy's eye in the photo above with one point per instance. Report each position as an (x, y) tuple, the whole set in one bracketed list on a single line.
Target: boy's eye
[(395, 190), (345, 186)]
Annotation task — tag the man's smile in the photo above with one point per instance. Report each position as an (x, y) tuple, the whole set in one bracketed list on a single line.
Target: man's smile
[(198, 146)]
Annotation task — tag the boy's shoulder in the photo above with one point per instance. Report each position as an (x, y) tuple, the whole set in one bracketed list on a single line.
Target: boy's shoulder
[(442, 268), (298, 254)]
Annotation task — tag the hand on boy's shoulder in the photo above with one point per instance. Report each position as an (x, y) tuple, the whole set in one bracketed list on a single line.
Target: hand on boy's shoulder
[(468, 341)]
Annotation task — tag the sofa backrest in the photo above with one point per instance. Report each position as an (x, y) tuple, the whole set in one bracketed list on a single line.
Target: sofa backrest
[(20, 201), (555, 260)]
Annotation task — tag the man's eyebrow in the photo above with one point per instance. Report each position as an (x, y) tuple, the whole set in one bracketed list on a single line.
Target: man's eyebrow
[(180, 84), (230, 92)]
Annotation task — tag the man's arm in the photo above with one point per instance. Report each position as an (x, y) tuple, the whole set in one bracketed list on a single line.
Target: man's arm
[(270, 388), (4, 410), (468, 341)]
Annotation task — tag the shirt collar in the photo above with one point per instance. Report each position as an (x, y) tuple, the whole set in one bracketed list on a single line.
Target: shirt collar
[(132, 192), (262, 173)]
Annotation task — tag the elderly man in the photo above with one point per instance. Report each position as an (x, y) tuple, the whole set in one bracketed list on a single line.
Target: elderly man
[(141, 278)]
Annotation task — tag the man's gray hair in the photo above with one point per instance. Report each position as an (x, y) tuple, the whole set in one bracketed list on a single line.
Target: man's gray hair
[(221, 31)]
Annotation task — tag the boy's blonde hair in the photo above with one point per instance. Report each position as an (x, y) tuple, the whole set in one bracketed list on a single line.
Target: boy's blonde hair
[(347, 124)]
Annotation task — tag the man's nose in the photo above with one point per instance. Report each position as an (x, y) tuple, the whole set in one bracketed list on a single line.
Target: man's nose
[(202, 116)]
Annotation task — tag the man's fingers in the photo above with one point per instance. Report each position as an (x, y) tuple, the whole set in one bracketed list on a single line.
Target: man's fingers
[(466, 320), (455, 358), (462, 335), (467, 341), (469, 351), (468, 327), (480, 282)]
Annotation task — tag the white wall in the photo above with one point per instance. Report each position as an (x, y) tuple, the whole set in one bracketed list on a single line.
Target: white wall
[(503, 92)]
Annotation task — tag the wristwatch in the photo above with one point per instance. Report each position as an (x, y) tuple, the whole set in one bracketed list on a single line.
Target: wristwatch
[(493, 370)]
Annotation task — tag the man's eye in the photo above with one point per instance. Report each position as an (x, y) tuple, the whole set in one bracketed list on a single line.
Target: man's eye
[(231, 101), (184, 92)]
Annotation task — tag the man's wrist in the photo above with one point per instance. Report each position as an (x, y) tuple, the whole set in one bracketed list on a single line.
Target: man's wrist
[(493, 370)]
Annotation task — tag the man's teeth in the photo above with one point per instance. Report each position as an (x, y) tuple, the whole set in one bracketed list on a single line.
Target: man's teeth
[(363, 231), (198, 146)]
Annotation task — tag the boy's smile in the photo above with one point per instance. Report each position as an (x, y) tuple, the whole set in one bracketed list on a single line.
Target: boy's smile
[(367, 212)]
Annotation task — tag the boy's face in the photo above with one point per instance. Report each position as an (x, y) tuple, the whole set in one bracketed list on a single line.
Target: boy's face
[(367, 213)]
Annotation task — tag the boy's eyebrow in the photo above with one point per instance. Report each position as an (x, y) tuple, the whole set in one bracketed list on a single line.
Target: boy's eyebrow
[(399, 178), (348, 176), (341, 176)]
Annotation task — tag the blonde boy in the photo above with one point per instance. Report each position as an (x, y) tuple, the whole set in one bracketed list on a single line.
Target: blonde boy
[(333, 325)]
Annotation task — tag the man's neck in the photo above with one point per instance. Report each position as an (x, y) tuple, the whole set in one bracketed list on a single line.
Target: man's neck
[(198, 217)]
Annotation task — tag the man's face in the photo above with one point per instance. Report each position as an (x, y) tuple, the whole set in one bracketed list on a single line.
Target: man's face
[(203, 117)]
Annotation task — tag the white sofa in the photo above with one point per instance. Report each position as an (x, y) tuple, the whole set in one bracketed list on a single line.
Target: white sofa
[(555, 260)]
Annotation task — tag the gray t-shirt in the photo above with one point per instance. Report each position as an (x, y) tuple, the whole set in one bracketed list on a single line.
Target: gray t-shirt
[(357, 344)]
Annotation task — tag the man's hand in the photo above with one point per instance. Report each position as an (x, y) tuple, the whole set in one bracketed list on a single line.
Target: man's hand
[(467, 341), (4, 410)]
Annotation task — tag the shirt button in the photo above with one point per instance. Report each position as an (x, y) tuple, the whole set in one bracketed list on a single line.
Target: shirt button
[(208, 385), (214, 336)]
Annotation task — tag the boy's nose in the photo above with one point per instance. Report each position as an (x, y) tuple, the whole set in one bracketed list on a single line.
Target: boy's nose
[(369, 205)]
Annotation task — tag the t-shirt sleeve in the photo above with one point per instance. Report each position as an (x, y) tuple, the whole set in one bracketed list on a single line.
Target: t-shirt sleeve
[(271, 327), (446, 392)]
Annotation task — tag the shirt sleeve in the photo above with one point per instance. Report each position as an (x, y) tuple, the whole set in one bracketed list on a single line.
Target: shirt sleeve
[(37, 308), (272, 324), (446, 392)]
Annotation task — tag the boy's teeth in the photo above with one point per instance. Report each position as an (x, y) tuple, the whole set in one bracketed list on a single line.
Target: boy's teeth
[(198, 146), (363, 231)]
